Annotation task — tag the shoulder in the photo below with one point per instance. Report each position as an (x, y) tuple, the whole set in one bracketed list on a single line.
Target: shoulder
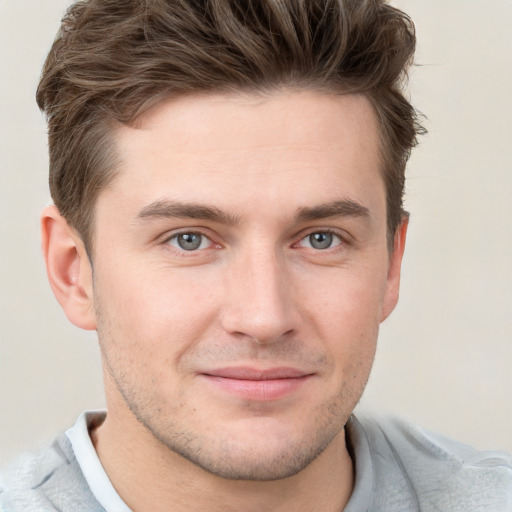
[(47, 481), (441, 472)]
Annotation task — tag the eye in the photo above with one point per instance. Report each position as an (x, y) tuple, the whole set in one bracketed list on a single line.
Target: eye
[(320, 240), (189, 241)]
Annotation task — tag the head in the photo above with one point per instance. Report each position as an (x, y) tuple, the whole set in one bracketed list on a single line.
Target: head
[(234, 176), (113, 60)]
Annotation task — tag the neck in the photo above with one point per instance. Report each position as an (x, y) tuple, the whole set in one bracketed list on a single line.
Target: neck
[(136, 462)]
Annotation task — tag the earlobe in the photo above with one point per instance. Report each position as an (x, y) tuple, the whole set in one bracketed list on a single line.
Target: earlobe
[(68, 268), (395, 266)]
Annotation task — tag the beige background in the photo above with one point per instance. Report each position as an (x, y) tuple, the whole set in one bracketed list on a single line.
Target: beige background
[(445, 357)]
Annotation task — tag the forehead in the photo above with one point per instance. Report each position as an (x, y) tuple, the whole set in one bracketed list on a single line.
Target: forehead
[(316, 116), (278, 150)]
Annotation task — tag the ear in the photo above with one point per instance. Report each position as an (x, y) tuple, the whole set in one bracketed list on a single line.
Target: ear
[(68, 268), (395, 266)]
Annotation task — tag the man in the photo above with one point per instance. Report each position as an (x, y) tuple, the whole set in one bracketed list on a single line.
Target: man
[(228, 181)]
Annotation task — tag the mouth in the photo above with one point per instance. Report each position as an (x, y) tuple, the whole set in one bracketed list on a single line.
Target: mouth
[(258, 384)]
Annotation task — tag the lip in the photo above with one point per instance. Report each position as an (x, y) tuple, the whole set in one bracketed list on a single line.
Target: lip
[(258, 384)]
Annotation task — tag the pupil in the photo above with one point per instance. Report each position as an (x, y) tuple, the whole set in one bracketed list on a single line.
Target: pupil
[(189, 241), (320, 240)]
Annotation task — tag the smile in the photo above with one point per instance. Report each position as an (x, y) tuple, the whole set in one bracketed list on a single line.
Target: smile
[(259, 385)]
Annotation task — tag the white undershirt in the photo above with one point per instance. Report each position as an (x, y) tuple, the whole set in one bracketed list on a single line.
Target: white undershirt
[(91, 467)]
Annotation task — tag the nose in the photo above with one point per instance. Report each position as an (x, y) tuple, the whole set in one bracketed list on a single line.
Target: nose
[(259, 299)]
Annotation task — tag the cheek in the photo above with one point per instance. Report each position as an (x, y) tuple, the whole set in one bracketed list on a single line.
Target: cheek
[(345, 313), (349, 299), (156, 314)]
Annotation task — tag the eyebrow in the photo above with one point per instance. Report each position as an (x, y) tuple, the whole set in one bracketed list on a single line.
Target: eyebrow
[(176, 209), (164, 209), (342, 208)]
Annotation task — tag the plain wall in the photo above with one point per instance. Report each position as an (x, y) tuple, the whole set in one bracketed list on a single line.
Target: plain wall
[(444, 358)]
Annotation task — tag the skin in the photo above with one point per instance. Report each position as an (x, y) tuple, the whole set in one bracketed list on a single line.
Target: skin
[(252, 179)]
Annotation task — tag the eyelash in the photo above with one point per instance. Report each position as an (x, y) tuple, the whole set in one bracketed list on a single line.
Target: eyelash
[(183, 252), (327, 231), (342, 241)]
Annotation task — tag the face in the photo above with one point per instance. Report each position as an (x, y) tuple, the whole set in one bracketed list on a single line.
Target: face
[(241, 271)]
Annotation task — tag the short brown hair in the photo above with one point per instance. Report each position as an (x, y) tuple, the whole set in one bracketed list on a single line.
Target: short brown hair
[(114, 59)]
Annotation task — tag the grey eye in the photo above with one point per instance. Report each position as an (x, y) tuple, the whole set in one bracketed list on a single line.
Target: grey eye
[(321, 240), (189, 241)]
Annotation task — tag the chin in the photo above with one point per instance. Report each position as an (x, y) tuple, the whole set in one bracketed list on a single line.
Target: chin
[(232, 461), (256, 449)]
